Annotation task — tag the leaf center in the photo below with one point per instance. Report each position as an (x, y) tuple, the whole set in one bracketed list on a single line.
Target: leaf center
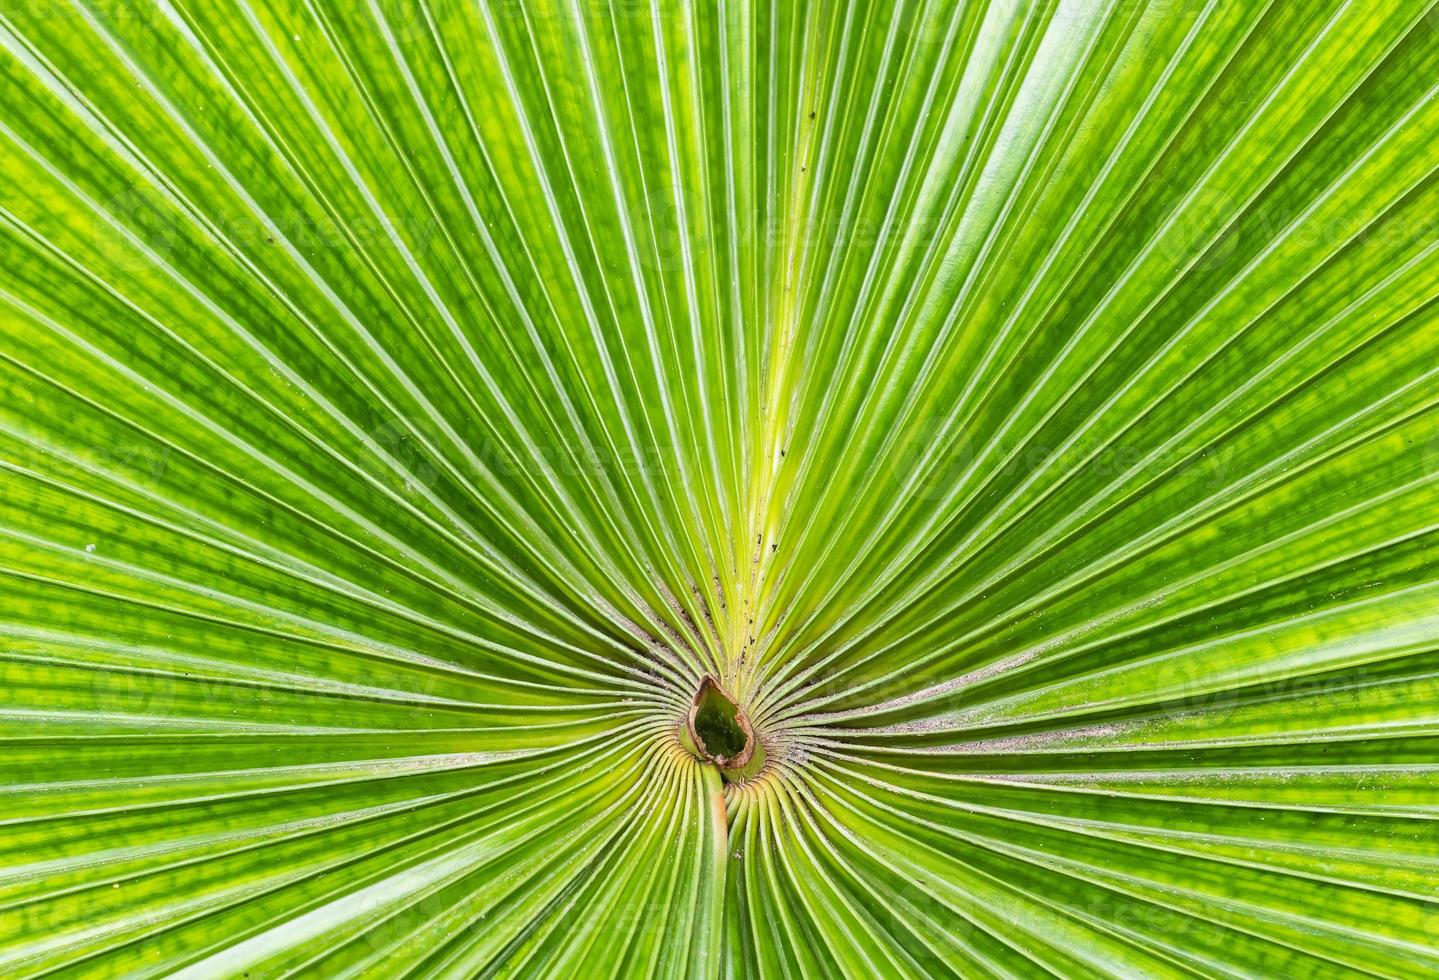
[(719, 727)]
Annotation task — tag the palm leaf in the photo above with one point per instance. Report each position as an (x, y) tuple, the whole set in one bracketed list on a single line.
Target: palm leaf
[(436, 436)]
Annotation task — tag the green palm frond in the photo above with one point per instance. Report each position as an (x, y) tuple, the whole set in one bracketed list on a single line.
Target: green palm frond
[(705, 487)]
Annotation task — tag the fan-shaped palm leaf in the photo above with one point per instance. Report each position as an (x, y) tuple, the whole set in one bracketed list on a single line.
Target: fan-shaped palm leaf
[(546, 487)]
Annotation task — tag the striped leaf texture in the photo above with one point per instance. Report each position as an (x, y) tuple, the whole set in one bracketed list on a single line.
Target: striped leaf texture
[(1008, 427)]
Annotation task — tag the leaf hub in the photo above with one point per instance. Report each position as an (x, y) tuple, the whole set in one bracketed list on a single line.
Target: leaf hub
[(718, 729)]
